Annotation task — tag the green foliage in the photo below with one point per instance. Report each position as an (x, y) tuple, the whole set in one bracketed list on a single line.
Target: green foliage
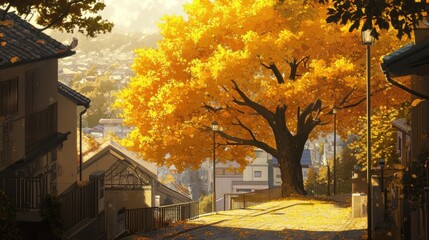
[(383, 137), (401, 15), (101, 91), (8, 226), (344, 171), (205, 204), (52, 225), (64, 15), (316, 184)]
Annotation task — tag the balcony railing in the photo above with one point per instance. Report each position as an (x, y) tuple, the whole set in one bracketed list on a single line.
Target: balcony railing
[(25, 193), (40, 126)]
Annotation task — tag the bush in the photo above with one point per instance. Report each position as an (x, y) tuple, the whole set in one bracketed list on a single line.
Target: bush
[(205, 204), (8, 227)]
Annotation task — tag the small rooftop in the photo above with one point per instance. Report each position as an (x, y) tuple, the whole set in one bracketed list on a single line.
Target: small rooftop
[(73, 95)]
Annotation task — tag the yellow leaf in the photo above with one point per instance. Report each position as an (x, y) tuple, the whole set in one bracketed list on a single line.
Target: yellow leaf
[(3, 44), (7, 23), (14, 59), (1, 35), (40, 41), (414, 176), (416, 102)]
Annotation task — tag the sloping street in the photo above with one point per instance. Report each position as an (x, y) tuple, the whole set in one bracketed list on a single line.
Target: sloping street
[(303, 218)]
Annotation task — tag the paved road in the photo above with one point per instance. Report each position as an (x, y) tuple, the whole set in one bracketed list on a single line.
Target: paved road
[(286, 219)]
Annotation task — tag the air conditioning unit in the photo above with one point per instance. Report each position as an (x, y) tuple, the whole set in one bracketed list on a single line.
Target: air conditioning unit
[(359, 205)]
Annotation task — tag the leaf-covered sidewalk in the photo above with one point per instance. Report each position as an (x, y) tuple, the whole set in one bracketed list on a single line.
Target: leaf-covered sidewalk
[(292, 218)]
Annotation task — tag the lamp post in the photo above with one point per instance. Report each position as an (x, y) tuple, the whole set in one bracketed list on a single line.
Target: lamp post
[(329, 180), (368, 40), (334, 111), (215, 128)]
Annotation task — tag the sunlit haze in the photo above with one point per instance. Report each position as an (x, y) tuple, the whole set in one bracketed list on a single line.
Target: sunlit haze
[(140, 15)]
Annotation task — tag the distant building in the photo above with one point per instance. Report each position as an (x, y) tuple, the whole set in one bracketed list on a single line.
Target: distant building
[(261, 173), (114, 125)]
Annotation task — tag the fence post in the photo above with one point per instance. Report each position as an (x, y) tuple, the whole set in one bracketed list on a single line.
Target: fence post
[(244, 201)]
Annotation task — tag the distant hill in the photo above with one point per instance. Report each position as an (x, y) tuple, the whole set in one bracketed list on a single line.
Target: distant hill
[(123, 42)]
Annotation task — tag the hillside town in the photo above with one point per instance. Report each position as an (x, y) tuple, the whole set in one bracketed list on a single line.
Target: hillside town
[(203, 131)]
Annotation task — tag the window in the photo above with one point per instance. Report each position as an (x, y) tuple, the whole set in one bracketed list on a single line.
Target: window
[(8, 97), (257, 174)]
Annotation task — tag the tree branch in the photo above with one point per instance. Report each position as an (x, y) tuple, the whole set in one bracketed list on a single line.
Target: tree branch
[(61, 16), (246, 128), (263, 111), (231, 140)]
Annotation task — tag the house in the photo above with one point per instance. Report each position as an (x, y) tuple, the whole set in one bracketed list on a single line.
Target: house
[(69, 103), (29, 127), (129, 182), (38, 130), (114, 125), (413, 141), (124, 171)]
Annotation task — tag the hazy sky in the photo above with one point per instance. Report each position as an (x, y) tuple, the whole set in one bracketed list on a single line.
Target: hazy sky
[(140, 15)]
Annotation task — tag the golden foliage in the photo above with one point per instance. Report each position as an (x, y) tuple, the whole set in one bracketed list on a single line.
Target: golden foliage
[(222, 41)]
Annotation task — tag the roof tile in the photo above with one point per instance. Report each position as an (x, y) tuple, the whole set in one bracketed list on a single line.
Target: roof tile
[(22, 41)]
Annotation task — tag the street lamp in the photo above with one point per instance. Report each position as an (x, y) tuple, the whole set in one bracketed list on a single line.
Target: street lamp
[(368, 40), (334, 111), (215, 128)]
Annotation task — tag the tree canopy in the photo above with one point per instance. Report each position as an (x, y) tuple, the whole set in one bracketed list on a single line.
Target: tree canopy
[(269, 72), (402, 15), (63, 15)]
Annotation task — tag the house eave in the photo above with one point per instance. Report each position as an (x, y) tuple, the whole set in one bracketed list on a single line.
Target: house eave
[(23, 62), (409, 60)]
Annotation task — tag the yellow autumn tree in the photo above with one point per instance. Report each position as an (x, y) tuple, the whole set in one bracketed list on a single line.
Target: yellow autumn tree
[(269, 72), (383, 136)]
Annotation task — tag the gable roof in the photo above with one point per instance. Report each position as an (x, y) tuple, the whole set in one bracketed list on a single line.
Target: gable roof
[(110, 147), (73, 95), (20, 39)]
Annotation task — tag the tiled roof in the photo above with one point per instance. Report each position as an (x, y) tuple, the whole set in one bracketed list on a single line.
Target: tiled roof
[(73, 95), (21, 42)]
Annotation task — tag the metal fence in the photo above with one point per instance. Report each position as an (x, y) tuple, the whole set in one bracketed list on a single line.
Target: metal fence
[(243, 200), (148, 219), (79, 203), (25, 193)]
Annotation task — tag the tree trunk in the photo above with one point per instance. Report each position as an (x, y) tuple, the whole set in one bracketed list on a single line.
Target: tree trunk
[(291, 172)]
